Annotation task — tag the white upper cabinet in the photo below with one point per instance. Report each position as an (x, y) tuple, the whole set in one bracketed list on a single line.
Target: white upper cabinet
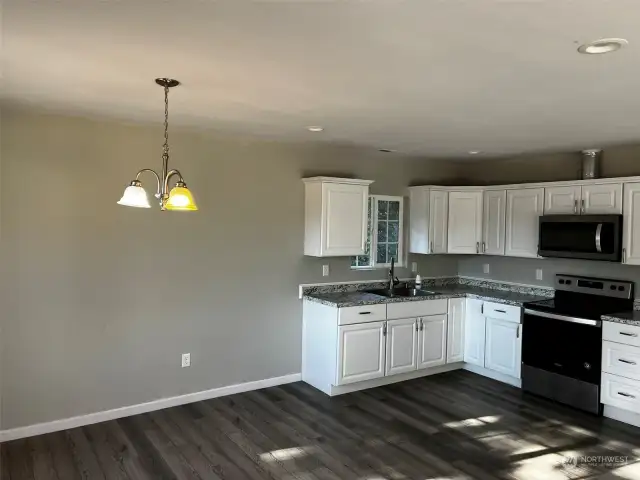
[(562, 200), (597, 199), (493, 224), (631, 224), (602, 199), (438, 221), (335, 216), (465, 222), (428, 210), (524, 207)]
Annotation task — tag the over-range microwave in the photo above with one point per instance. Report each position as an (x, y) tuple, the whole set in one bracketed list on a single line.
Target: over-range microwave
[(590, 237)]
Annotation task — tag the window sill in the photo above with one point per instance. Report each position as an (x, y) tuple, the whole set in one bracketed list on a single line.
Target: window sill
[(380, 267)]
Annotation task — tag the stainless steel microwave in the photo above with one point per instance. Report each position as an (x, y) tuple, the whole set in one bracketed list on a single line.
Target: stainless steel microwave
[(590, 237)]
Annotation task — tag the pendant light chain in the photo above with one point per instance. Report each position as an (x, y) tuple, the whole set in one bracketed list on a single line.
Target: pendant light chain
[(165, 155)]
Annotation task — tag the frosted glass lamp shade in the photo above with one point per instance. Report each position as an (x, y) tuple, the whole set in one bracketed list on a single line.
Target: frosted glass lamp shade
[(180, 198), (135, 196)]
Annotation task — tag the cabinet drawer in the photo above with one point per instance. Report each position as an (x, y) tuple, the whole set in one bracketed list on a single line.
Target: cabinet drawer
[(620, 392), (621, 333), (365, 313), (416, 309), (623, 360), (509, 313)]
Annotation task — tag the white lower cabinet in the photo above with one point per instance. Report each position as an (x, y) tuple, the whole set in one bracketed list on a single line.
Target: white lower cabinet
[(503, 347), (402, 342), (474, 332), (432, 341), (361, 352), (455, 330)]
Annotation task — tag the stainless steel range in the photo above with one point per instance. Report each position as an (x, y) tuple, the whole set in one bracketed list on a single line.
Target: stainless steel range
[(562, 339)]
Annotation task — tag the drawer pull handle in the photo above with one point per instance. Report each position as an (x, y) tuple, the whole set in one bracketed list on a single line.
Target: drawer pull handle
[(364, 313), (501, 311), (626, 395), (626, 334), (626, 361)]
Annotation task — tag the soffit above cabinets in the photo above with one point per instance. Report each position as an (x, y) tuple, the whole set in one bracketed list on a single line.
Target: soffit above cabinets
[(439, 79)]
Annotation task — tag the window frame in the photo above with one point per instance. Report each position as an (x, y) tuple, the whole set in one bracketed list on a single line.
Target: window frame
[(372, 234)]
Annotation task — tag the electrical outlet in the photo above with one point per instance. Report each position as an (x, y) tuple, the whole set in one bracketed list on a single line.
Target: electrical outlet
[(186, 360), (414, 267), (325, 270), (538, 274), (485, 268)]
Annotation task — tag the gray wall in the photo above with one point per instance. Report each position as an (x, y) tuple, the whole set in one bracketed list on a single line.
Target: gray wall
[(99, 300)]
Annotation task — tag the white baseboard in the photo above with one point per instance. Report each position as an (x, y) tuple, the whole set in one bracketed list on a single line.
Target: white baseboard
[(621, 415), (501, 377), (79, 421), (379, 382)]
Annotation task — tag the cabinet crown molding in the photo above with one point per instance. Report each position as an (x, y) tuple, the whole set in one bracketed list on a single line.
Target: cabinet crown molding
[(350, 181)]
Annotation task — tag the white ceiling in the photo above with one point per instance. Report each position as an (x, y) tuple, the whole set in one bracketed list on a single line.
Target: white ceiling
[(436, 78)]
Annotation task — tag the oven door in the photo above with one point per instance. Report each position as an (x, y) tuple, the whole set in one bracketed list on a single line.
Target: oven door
[(563, 345), (592, 237)]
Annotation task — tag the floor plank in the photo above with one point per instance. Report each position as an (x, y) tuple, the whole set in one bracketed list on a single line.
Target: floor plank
[(456, 426)]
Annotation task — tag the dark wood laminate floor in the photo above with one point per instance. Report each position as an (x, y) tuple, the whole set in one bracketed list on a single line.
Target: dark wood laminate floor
[(451, 426)]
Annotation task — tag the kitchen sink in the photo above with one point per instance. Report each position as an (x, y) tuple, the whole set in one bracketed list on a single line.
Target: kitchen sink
[(401, 292)]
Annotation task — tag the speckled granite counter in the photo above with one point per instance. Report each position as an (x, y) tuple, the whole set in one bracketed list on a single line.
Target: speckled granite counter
[(353, 299), (630, 318)]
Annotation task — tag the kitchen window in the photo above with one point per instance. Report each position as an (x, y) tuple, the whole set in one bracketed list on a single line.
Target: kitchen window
[(384, 234)]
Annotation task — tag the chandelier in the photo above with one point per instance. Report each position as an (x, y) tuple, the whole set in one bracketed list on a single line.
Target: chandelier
[(179, 197)]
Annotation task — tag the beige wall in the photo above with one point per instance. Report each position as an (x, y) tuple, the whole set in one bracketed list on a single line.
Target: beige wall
[(99, 300)]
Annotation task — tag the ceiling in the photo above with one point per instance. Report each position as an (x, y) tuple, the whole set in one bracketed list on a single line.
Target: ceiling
[(434, 78)]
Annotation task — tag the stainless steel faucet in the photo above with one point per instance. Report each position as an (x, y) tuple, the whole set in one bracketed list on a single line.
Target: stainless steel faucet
[(393, 280)]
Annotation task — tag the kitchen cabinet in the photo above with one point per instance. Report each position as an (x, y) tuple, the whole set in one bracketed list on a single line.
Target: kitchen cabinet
[(428, 211), (455, 330), (474, 332), (432, 341), (503, 348), (524, 207), (465, 222), (596, 199), (493, 224), (631, 224), (361, 352), (335, 216), (402, 342)]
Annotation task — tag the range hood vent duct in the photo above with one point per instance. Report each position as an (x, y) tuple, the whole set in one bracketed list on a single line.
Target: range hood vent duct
[(591, 160)]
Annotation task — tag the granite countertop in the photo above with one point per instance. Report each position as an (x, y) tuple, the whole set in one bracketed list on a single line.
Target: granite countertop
[(354, 299), (631, 317)]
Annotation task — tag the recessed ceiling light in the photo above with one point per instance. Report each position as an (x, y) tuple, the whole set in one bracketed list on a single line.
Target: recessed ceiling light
[(474, 152), (315, 128), (604, 45)]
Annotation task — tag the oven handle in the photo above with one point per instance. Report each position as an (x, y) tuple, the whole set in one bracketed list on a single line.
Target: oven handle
[(555, 316), (598, 232)]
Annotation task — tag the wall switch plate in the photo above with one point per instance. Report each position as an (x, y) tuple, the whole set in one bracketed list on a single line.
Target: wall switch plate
[(414, 267), (538, 274), (325, 270), (485, 268), (186, 360)]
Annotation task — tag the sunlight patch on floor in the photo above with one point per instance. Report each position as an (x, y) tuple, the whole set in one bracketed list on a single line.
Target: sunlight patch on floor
[(286, 454), (473, 422), (547, 467)]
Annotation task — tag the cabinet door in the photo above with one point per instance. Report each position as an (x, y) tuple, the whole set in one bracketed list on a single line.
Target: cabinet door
[(465, 222), (455, 330), (438, 219), (503, 347), (474, 332), (561, 200), (493, 225), (344, 219), (524, 207), (631, 224), (402, 342), (602, 199), (361, 352), (419, 220), (432, 341)]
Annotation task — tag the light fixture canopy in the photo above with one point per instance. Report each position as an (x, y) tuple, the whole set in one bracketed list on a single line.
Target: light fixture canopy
[(603, 45), (315, 128), (180, 198)]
